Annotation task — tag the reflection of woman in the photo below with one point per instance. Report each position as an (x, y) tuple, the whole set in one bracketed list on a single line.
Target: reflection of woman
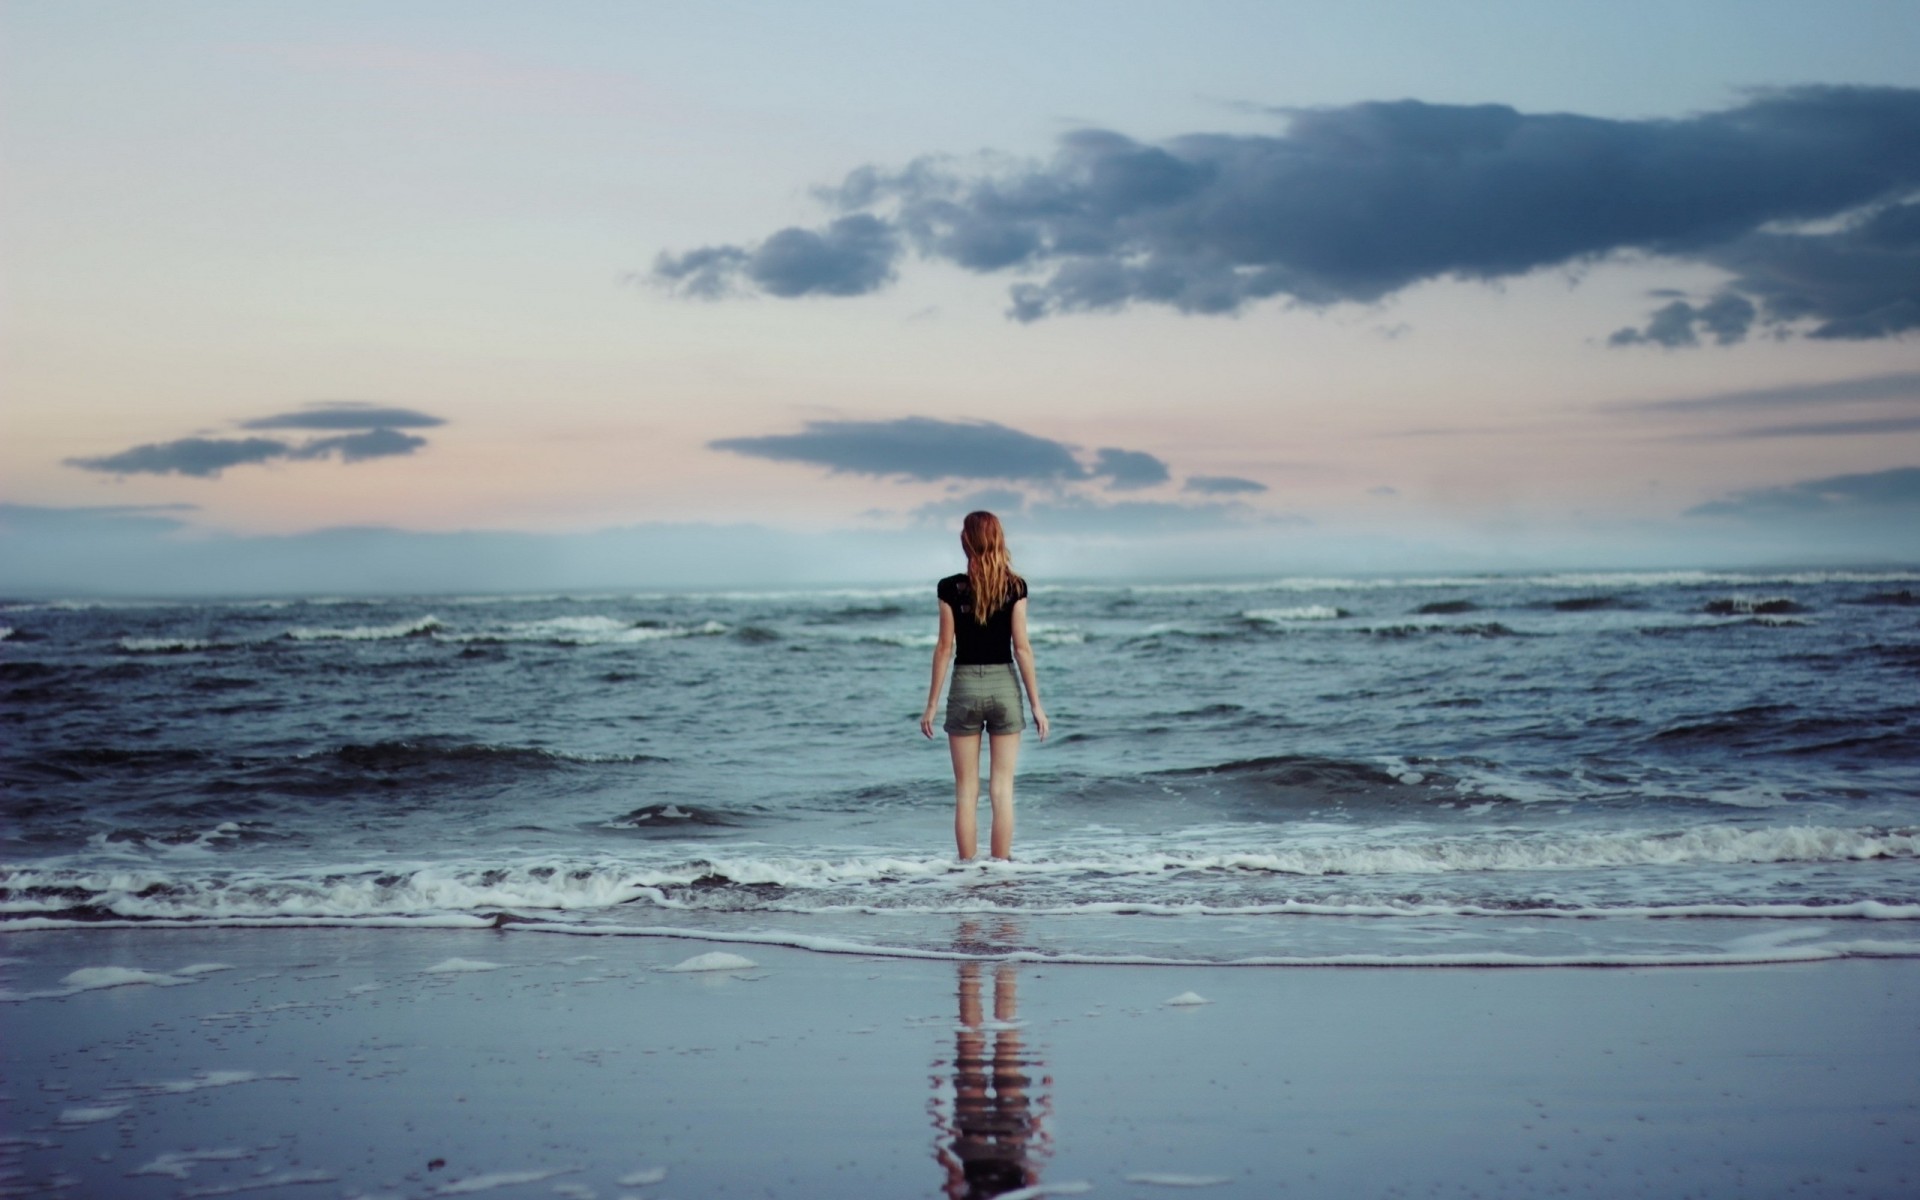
[(984, 1141), (983, 630)]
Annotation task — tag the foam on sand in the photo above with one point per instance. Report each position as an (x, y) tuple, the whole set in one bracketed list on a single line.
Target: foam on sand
[(179, 1164), (498, 1179), (1188, 1000), (643, 1177), (455, 966), (90, 1115), (1162, 1179), (1073, 1188), (260, 1183), (717, 960)]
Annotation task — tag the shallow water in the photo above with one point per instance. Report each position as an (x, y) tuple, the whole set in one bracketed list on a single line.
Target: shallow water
[(1679, 767)]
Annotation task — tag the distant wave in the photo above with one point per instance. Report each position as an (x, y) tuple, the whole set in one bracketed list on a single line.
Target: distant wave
[(419, 627), (585, 631), (1745, 606), (1304, 612), (162, 645)]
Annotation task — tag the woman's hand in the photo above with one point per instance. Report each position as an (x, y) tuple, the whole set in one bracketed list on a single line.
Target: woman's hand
[(1040, 721), (926, 721)]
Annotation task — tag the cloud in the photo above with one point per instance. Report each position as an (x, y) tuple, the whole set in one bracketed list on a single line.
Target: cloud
[(918, 448), (1221, 485), (1070, 515), (1902, 385), (346, 414), (1832, 428), (93, 519), (203, 458), (1856, 283), (353, 447), (1878, 495), (1727, 317), (1126, 470), (1357, 202), (852, 256), (206, 458)]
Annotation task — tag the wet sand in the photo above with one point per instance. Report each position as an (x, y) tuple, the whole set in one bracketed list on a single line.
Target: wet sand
[(363, 1062)]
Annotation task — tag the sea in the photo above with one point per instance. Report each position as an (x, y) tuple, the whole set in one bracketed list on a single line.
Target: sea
[(1645, 769)]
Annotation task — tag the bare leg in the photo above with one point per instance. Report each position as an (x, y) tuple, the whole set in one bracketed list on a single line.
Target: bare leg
[(1004, 757), (966, 792)]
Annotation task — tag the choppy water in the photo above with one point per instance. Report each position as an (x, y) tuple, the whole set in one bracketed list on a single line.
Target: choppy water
[(1680, 767)]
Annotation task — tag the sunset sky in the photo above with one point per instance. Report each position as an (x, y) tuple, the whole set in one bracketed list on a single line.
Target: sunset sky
[(734, 293)]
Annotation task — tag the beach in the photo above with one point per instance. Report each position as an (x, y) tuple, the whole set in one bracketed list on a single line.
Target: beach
[(419, 1062)]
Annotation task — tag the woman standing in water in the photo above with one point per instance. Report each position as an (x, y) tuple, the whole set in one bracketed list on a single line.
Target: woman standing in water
[(983, 633)]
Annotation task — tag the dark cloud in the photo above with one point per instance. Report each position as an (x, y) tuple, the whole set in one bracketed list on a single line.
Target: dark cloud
[(1830, 428), (353, 447), (1126, 470), (1856, 283), (918, 448), (1221, 485), (203, 458), (1904, 385), (346, 414), (1877, 496), (1726, 318), (850, 257), (206, 458), (1355, 203)]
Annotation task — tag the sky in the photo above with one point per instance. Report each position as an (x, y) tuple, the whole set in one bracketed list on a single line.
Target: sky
[(484, 296)]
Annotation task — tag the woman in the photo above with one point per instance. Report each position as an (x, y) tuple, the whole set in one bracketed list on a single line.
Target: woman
[(983, 632)]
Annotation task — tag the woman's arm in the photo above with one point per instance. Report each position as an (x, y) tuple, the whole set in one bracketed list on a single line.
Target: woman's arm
[(942, 655), (1023, 654)]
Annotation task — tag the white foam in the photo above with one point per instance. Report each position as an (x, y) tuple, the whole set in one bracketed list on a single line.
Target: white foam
[(643, 1177), (162, 645), (260, 1183), (454, 966), (179, 1164), (1187, 1000), (455, 893), (367, 633), (91, 1115), (1163, 1179), (203, 1080), (1304, 612), (585, 631), (6, 631), (498, 1179), (718, 960), (1074, 1188)]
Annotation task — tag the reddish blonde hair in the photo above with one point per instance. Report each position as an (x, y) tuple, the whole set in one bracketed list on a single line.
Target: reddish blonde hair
[(989, 565)]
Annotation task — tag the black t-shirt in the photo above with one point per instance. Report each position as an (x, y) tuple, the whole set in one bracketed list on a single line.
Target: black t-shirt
[(980, 645)]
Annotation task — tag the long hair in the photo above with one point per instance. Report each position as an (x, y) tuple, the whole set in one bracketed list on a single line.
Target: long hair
[(989, 566)]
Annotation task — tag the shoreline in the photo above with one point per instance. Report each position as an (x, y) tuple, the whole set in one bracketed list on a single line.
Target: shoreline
[(314, 1061), (1771, 949)]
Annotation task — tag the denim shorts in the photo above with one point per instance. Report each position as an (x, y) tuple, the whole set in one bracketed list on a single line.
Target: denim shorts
[(985, 694)]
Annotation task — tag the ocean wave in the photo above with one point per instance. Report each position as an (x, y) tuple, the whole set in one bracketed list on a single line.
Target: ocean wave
[(1403, 629), (424, 754), (1303, 612), (164, 645), (1746, 606), (585, 631), (901, 883), (418, 627)]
